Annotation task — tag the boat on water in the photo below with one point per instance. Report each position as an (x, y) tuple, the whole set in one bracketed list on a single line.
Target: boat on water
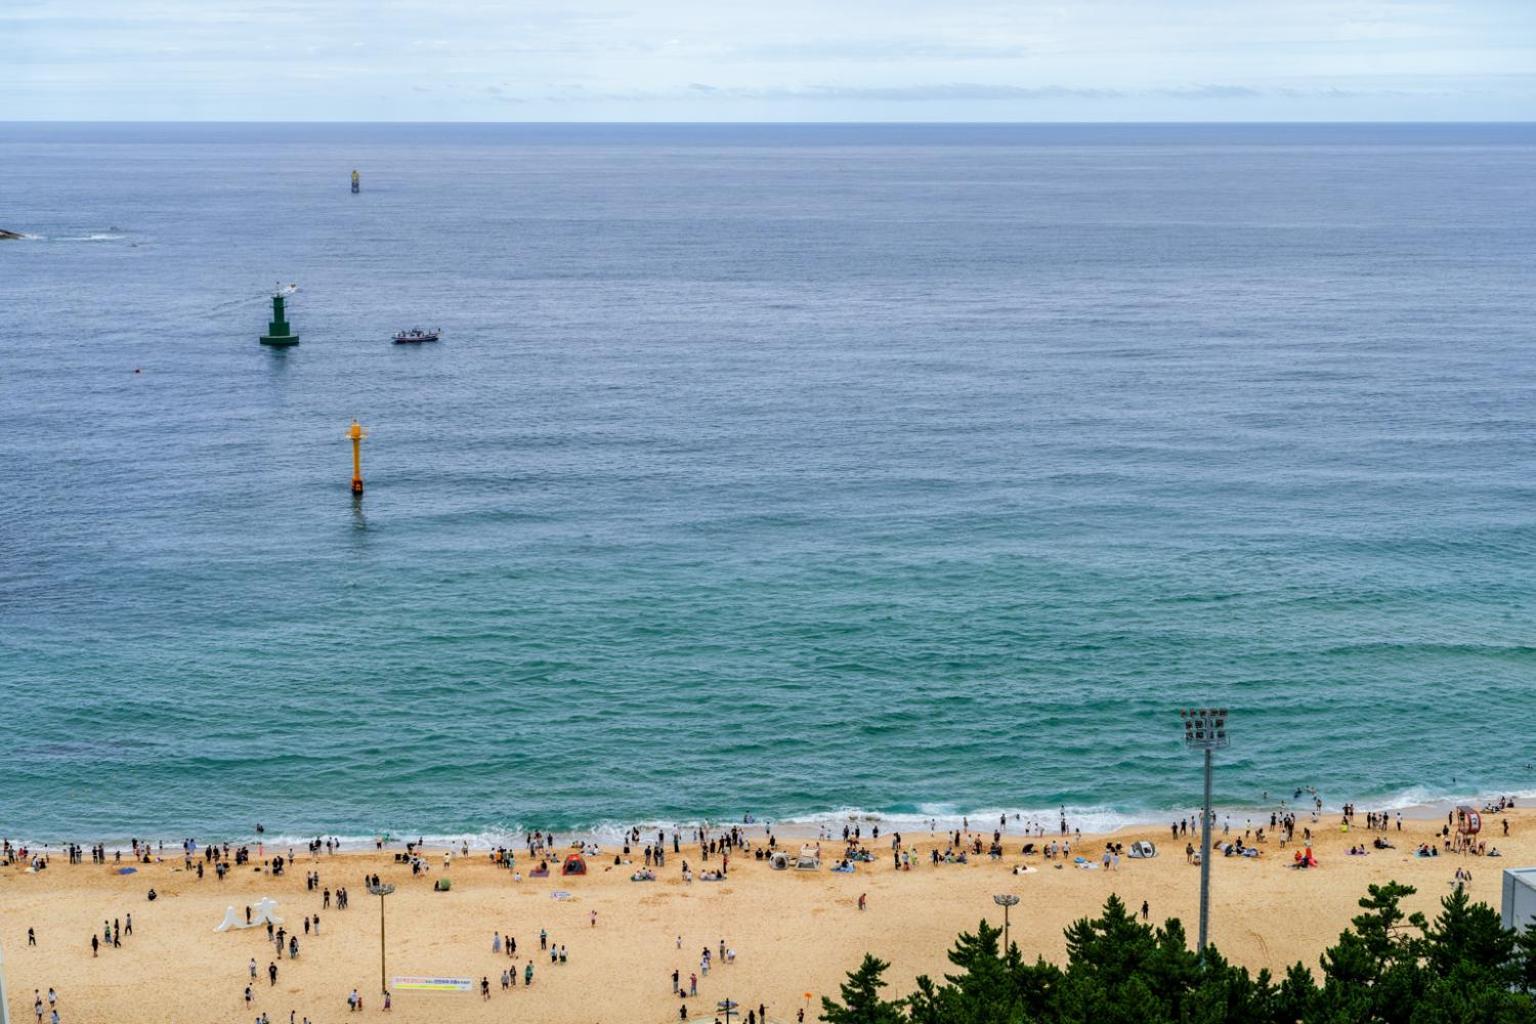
[(416, 335)]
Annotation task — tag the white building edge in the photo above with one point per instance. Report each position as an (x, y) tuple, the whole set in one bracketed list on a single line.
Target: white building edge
[(1519, 906)]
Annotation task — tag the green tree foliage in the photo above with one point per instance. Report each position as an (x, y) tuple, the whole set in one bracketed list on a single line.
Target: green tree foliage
[(1390, 967), (861, 998)]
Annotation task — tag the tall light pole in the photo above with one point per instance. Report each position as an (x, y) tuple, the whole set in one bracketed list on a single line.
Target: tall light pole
[(381, 891), (1205, 729), (1005, 900)]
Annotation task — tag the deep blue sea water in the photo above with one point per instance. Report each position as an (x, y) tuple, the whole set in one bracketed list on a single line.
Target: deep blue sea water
[(779, 469)]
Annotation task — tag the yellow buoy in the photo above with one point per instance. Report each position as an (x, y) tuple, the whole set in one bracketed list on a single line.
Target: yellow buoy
[(356, 433)]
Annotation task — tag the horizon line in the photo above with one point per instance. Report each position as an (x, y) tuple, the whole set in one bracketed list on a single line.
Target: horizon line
[(771, 123)]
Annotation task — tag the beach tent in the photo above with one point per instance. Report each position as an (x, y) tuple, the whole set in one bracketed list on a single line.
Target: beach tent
[(1143, 850), (1468, 821), (779, 861), (574, 865), (809, 859)]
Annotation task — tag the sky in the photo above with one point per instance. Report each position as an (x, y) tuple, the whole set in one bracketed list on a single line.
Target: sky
[(773, 60)]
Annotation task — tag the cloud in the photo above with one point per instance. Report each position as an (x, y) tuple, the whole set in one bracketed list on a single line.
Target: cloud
[(599, 59), (1212, 92), (875, 49), (884, 93)]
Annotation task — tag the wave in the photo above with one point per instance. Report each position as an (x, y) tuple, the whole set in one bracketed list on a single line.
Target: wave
[(1413, 802), (97, 236)]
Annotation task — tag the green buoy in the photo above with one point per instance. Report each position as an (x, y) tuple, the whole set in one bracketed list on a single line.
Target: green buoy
[(277, 331)]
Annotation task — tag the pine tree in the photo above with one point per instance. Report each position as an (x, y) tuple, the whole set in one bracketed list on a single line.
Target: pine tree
[(861, 997), (1374, 973)]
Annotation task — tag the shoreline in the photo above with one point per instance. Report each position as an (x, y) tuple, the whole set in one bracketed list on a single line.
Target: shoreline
[(1413, 805), (796, 932)]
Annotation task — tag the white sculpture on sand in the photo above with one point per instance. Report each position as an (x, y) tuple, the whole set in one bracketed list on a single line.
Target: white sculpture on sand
[(266, 913)]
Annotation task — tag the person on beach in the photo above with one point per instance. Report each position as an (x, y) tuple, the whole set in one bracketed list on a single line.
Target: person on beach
[(271, 973), (32, 936), (485, 988), (95, 943), (528, 975)]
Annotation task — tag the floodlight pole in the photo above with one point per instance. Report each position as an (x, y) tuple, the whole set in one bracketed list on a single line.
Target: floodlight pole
[(381, 891), (1205, 859), (1205, 729), (1005, 900)]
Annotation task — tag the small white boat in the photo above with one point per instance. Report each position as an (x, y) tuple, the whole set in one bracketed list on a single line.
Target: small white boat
[(416, 335)]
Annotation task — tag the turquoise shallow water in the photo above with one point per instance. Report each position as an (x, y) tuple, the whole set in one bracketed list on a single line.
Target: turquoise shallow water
[(776, 470)]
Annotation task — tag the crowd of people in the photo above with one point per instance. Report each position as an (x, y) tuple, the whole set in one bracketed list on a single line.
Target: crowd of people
[(650, 852)]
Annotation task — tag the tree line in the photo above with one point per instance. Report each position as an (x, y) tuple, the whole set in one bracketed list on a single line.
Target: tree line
[(1389, 967)]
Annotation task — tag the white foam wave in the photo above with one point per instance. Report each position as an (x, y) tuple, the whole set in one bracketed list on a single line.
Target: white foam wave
[(1414, 802), (947, 817)]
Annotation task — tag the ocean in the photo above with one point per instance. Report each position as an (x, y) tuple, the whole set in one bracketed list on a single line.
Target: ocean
[(776, 470)]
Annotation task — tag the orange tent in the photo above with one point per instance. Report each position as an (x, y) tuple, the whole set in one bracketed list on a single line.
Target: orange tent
[(574, 865)]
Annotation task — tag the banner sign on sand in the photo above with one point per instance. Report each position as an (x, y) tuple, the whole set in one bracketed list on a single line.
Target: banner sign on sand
[(434, 984)]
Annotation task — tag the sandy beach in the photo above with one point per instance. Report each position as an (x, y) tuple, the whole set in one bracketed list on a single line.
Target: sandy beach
[(793, 932)]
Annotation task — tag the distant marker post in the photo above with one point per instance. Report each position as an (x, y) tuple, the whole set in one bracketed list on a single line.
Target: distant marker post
[(356, 434), (278, 334)]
